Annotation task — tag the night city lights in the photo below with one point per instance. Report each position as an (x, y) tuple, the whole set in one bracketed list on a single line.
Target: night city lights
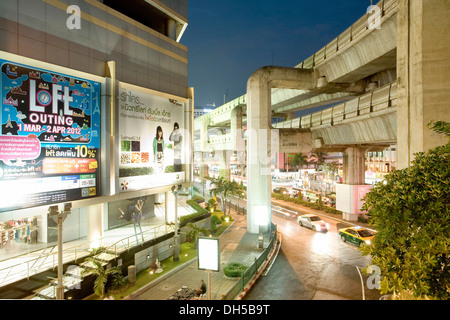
[(228, 158)]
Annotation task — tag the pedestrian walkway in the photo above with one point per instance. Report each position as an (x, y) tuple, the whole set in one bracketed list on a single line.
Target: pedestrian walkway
[(45, 255), (236, 245)]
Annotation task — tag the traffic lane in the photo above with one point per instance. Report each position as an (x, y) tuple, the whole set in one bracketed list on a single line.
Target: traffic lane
[(327, 242), (319, 242), (324, 262), (314, 265)]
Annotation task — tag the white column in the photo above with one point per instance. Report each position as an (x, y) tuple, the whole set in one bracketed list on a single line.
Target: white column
[(259, 136), (171, 29), (353, 188), (95, 225), (423, 68)]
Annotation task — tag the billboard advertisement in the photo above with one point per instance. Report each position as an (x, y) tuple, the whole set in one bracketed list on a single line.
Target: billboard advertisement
[(50, 137), (152, 139)]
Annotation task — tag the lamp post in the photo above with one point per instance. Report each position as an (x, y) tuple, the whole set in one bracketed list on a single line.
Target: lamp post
[(176, 240), (59, 218)]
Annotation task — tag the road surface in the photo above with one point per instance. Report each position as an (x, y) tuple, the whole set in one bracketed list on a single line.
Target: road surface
[(313, 265)]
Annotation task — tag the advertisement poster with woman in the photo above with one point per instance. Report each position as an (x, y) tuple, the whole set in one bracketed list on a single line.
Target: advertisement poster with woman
[(151, 130), (50, 137)]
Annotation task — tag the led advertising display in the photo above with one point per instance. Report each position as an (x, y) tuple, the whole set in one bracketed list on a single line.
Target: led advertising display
[(50, 137)]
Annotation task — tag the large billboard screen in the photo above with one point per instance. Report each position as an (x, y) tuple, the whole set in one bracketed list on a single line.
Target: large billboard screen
[(50, 137), (152, 139)]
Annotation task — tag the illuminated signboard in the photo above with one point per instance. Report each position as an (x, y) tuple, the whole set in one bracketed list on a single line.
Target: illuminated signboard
[(208, 253), (151, 151), (50, 137)]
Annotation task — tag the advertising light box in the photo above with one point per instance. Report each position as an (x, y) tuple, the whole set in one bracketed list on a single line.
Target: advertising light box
[(50, 137), (208, 253), (152, 137)]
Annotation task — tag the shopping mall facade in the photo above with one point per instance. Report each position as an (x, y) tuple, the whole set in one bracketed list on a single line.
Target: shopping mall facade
[(85, 87)]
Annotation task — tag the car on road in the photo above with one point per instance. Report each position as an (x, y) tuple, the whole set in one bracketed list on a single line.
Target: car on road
[(281, 190), (356, 235), (313, 222), (311, 196)]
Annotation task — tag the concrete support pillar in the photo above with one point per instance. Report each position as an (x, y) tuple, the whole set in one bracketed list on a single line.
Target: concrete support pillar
[(353, 188), (171, 26), (423, 69), (259, 150), (238, 133), (95, 225), (354, 159), (204, 135), (166, 207), (204, 169), (205, 150), (224, 167)]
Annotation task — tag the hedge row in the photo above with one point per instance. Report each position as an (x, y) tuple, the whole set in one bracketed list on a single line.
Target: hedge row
[(234, 270), (308, 204), (200, 211)]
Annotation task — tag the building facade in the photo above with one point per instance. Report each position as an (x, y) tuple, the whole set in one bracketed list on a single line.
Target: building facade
[(86, 85)]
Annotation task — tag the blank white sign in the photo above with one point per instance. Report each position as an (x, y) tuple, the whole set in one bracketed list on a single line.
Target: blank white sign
[(208, 254)]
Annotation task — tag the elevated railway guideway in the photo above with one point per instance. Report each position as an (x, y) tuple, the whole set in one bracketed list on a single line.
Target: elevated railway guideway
[(361, 58), (347, 69), (370, 119)]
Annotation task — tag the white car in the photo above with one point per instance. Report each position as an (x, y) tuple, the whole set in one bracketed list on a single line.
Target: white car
[(313, 222)]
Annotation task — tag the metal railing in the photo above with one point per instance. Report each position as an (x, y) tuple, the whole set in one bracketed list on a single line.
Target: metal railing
[(253, 269), (354, 32), (382, 98), (46, 261), (220, 139)]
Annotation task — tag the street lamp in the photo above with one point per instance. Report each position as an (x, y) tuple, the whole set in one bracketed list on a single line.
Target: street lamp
[(59, 218), (176, 250)]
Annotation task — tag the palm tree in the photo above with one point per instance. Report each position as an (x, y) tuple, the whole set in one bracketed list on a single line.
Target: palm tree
[(223, 188), (194, 232), (317, 158), (330, 168), (240, 193), (298, 160), (211, 204), (102, 275)]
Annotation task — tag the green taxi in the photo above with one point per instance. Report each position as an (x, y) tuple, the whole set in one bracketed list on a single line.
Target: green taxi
[(356, 235)]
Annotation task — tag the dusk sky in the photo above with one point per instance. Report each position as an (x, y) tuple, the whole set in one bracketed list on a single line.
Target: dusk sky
[(230, 39)]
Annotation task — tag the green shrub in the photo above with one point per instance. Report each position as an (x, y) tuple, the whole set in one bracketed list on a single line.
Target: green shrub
[(198, 199), (198, 208), (307, 204), (234, 270), (215, 219), (133, 172)]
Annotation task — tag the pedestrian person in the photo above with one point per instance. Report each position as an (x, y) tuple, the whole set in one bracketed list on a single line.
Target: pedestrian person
[(202, 289), (177, 139)]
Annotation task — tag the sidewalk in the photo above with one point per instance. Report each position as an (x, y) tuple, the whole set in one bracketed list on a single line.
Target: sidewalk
[(236, 245)]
